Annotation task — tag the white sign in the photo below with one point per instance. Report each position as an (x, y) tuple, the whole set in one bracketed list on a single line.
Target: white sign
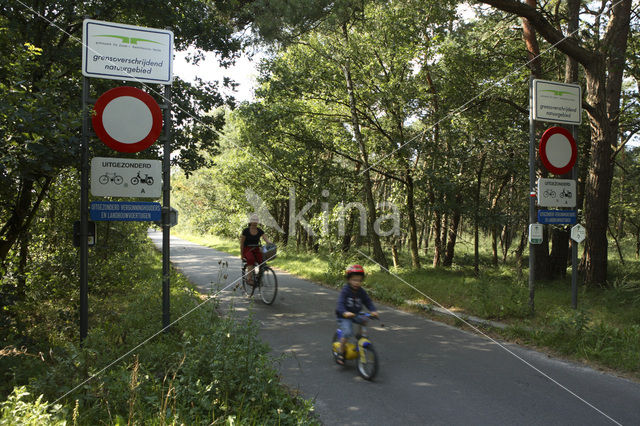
[(578, 233), (121, 177), (535, 233), (126, 52), (556, 192), (557, 102)]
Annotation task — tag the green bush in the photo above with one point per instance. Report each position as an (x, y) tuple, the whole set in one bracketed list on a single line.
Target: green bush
[(19, 410), (495, 300), (204, 369)]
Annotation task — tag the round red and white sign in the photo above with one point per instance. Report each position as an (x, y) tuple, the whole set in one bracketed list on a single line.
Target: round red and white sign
[(127, 119), (558, 150)]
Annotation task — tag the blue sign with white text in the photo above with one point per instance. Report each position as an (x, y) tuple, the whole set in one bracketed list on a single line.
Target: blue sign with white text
[(557, 217), (125, 210)]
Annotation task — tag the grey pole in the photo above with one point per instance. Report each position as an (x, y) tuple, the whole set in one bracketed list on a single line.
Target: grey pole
[(574, 245), (532, 200), (84, 217), (166, 206)]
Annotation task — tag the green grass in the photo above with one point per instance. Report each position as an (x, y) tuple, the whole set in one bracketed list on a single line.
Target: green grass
[(205, 369), (604, 331)]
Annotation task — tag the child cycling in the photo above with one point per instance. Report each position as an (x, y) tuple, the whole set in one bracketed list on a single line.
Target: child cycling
[(350, 302)]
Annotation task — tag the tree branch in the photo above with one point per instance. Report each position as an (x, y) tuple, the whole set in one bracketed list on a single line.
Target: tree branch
[(566, 45)]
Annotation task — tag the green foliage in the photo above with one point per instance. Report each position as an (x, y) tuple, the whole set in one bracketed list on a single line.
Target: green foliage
[(206, 368), (19, 409), (575, 333), (497, 300)]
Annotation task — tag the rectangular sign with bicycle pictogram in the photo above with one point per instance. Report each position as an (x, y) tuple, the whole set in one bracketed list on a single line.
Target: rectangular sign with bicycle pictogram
[(125, 211), (123, 177), (556, 192)]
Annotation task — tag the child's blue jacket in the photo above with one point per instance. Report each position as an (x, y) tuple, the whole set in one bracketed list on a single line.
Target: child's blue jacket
[(353, 301)]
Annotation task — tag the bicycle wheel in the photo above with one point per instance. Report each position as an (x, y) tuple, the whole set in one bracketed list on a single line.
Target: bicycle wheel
[(104, 179), (117, 180), (368, 367), (268, 286), (335, 348), (247, 288)]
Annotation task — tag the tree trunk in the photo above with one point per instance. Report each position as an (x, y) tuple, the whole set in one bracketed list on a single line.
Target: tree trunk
[(444, 227), (615, 239), (427, 237), (560, 253), (285, 223), (476, 236), (346, 238), (453, 233), (22, 215), (394, 252), (378, 254), (520, 250), (505, 241), (437, 233), (494, 227), (598, 183), (413, 229), (21, 291)]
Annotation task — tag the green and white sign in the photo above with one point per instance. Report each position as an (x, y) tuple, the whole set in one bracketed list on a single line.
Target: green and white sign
[(536, 233), (126, 52), (557, 102)]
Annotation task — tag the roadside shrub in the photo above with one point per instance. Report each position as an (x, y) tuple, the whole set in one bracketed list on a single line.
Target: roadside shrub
[(496, 300), (19, 410)]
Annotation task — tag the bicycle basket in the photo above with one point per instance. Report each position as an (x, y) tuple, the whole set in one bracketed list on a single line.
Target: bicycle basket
[(269, 252)]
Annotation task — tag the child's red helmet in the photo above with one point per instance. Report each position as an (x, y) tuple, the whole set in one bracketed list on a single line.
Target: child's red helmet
[(354, 270)]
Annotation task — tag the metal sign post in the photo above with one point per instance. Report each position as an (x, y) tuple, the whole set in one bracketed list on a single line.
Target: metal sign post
[(126, 52), (166, 209), (532, 196), (574, 244), (84, 214)]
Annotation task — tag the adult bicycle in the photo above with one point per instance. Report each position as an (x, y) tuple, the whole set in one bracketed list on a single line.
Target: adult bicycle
[(362, 351), (264, 278), (106, 178)]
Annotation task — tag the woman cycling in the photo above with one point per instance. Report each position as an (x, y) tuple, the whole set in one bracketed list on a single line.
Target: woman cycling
[(250, 245)]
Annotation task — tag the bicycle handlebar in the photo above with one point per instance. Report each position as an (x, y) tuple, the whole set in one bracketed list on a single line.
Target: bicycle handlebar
[(368, 315)]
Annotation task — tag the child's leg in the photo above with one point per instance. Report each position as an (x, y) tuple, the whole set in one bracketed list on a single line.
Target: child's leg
[(343, 340), (347, 331)]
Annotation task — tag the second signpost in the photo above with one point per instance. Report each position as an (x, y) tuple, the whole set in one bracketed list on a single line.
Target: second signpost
[(557, 103)]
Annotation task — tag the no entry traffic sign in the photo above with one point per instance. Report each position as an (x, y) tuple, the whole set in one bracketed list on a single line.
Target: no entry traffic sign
[(558, 150), (127, 119)]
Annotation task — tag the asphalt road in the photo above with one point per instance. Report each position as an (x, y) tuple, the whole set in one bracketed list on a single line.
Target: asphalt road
[(430, 373)]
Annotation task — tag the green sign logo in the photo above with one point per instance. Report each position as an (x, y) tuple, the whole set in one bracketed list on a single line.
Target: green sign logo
[(128, 40), (558, 92)]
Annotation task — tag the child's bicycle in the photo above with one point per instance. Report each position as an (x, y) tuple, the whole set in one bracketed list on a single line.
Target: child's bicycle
[(363, 352), (264, 278)]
